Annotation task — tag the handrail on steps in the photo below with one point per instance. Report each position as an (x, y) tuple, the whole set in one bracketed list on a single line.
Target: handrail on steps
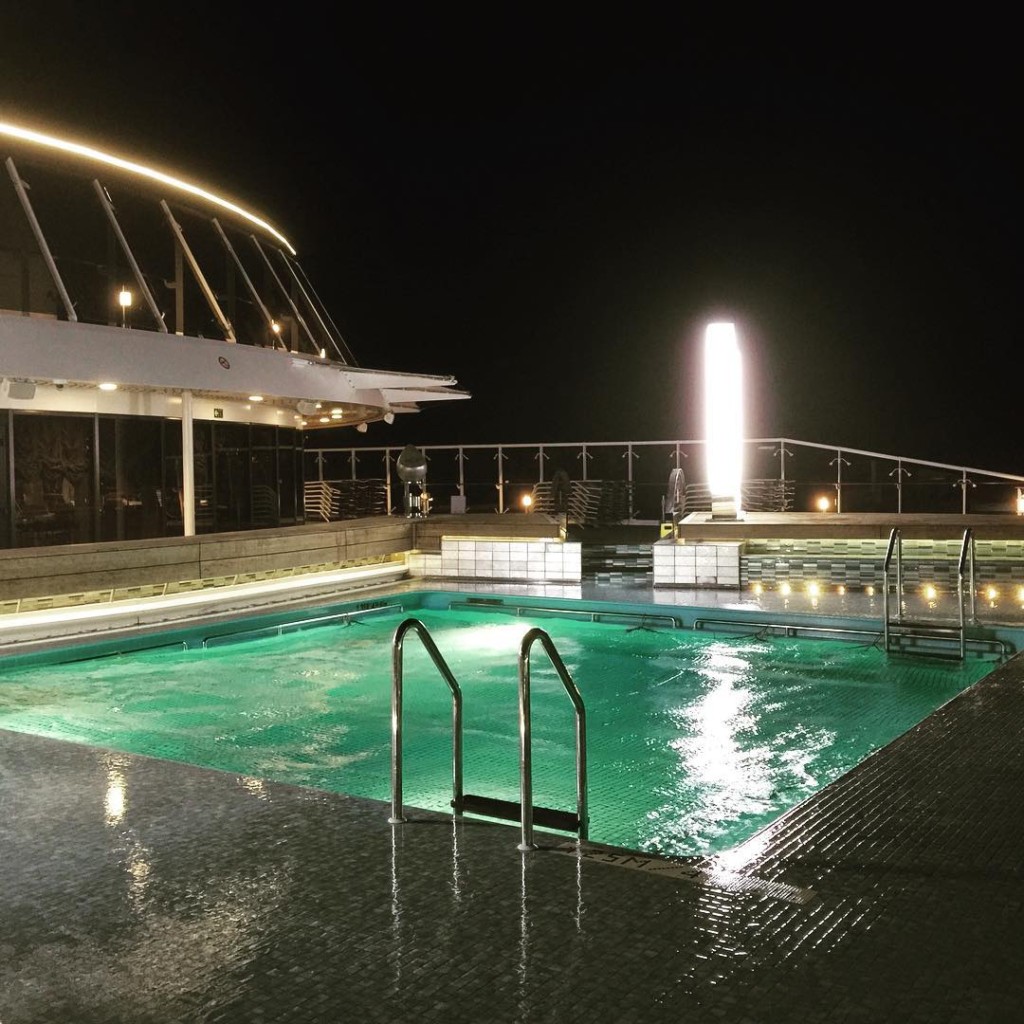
[(525, 737), (397, 817)]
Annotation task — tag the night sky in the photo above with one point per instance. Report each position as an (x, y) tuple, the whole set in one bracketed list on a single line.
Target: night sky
[(551, 208)]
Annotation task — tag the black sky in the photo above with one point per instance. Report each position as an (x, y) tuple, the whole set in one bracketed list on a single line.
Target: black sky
[(550, 208)]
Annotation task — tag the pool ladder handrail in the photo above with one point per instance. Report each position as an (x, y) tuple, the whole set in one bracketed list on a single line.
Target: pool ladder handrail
[(582, 820), (397, 643), (965, 565), (461, 801)]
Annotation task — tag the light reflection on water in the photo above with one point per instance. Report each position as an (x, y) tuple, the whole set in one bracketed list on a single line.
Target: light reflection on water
[(695, 741)]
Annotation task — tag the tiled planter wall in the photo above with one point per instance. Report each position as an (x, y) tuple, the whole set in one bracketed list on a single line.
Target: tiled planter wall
[(501, 558)]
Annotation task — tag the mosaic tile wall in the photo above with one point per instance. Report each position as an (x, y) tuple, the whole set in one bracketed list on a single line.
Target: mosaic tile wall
[(858, 563), (853, 563)]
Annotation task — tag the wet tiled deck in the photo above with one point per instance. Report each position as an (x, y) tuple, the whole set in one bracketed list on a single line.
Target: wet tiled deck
[(139, 890)]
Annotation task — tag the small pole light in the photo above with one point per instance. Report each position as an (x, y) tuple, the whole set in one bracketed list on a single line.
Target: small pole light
[(124, 300)]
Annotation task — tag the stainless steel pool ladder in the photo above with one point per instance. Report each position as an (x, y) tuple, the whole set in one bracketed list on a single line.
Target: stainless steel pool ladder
[(893, 626), (524, 811)]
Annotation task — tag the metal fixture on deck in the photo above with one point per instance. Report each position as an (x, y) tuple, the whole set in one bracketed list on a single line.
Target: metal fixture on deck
[(492, 807), (893, 626), (411, 467)]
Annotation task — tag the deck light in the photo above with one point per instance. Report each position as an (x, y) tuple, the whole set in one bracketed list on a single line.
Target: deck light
[(723, 399), (840, 590), (814, 588), (527, 502), (124, 300), (1020, 501), (785, 589), (991, 593), (823, 503), (930, 593)]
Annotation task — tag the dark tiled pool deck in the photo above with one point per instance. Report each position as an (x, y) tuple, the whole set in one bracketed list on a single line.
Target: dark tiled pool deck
[(139, 890)]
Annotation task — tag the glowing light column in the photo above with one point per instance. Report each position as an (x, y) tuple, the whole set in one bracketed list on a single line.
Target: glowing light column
[(723, 407)]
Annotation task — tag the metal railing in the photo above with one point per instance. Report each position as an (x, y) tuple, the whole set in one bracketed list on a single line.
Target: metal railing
[(397, 811), (494, 477), (895, 546), (965, 596), (526, 743), (965, 563), (463, 802)]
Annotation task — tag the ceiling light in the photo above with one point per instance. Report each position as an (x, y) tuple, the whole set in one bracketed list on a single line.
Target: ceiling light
[(108, 385), (389, 418), (361, 427), (255, 398)]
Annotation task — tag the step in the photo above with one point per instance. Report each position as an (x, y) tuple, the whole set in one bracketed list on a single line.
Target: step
[(511, 810)]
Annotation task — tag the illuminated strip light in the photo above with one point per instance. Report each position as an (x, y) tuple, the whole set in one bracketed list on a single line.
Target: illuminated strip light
[(89, 153), (723, 396), (13, 623)]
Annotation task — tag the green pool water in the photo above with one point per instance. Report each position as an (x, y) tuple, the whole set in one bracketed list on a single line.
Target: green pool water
[(695, 740)]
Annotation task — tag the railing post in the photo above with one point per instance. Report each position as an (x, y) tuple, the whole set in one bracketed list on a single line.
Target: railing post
[(629, 477), (501, 480), (387, 478), (964, 484), (461, 459), (898, 472), (838, 461)]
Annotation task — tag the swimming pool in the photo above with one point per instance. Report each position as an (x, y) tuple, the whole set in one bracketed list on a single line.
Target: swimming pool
[(695, 739)]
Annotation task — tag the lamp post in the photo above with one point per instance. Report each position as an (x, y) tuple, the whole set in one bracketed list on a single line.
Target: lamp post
[(124, 299), (723, 397)]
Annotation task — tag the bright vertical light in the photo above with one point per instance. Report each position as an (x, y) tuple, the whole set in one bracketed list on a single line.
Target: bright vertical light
[(723, 398)]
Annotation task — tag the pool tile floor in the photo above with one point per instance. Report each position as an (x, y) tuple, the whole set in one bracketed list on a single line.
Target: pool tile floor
[(139, 890)]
